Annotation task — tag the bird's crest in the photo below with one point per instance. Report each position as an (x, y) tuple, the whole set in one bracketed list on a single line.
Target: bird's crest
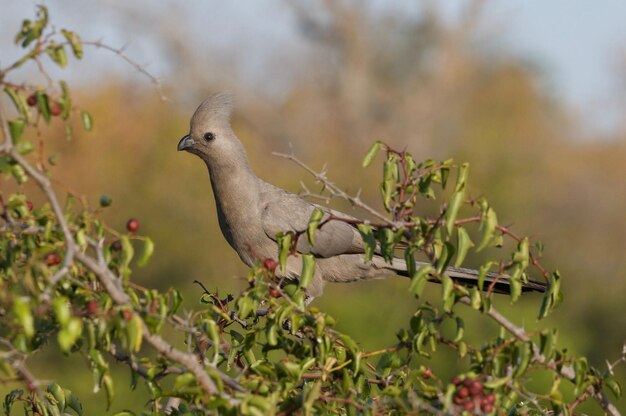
[(218, 107)]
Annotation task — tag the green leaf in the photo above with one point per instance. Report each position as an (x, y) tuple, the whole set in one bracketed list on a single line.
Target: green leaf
[(475, 298), (522, 255), (16, 128), (57, 54), (10, 398), (148, 250), (135, 333), (72, 401), (496, 383), (21, 309), (75, 42), (447, 292), (128, 252), (457, 198), (68, 335), (482, 274), (524, 353), (580, 367), (464, 243), (43, 103), (19, 173), (419, 280), (614, 386), (58, 395), (107, 383), (460, 329), (314, 222), (489, 222), (61, 307), (284, 248), (214, 335), (87, 120), (371, 153), (19, 102), (65, 101), (271, 332), (446, 256), (367, 233), (386, 237), (311, 393), (308, 270)]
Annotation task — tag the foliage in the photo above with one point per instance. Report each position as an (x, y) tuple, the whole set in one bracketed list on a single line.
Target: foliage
[(66, 280)]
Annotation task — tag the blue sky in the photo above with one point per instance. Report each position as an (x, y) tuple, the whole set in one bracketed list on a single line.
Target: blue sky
[(578, 44)]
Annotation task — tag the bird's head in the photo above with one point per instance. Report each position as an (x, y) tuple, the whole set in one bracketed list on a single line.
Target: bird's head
[(210, 136)]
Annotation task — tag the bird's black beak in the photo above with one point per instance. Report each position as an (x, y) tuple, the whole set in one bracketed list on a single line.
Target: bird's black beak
[(185, 143)]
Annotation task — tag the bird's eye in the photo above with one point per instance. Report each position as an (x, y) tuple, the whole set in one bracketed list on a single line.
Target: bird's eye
[(209, 136)]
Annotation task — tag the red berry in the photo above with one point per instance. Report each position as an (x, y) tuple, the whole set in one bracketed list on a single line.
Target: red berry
[(275, 293), (458, 400), (92, 307), (116, 245), (491, 399), (52, 259), (487, 408), (468, 382), (463, 392), (132, 225), (31, 100), (55, 108), (456, 381), (476, 388), (427, 373), (469, 405), (29, 205), (127, 315), (270, 264)]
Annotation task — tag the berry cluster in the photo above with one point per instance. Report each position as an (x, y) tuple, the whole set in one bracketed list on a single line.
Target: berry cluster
[(471, 396), (55, 107)]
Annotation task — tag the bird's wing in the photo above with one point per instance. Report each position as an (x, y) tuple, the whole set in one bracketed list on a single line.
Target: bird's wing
[(286, 212)]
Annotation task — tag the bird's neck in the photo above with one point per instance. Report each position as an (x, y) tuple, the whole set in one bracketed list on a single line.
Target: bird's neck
[(235, 189)]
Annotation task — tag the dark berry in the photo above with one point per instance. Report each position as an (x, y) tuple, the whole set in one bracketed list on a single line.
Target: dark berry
[(92, 307), (468, 382), (275, 293), (456, 381), (52, 259), (469, 405), (270, 264), (105, 201), (55, 108), (476, 388), (116, 245), (458, 400), (127, 315), (31, 100), (29, 205), (132, 225), (463, 392)]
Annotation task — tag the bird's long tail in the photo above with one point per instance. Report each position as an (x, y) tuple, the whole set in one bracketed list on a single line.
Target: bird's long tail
[(469, 277)]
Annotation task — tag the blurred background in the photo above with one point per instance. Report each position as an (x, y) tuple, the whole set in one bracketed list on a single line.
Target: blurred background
[(533, 95)]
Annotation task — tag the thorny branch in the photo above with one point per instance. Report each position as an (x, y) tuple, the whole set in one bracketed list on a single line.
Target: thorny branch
[(107, 278), (566, 371)]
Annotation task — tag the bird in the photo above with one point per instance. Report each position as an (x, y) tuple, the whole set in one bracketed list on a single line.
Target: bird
[(252, 212)]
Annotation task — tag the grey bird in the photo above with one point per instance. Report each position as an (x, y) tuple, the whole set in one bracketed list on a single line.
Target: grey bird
[(251, 212)]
